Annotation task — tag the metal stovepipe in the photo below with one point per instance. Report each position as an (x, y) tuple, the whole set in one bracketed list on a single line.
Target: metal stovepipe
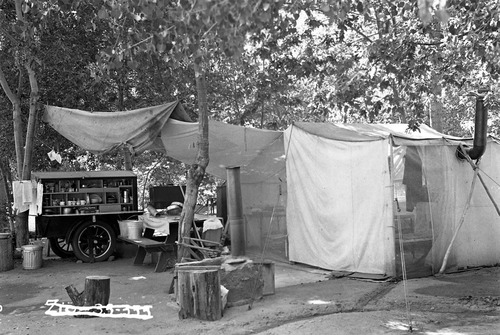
[(235, 212)]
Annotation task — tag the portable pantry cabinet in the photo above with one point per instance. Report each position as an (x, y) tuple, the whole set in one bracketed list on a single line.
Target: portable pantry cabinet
[(80, 211)]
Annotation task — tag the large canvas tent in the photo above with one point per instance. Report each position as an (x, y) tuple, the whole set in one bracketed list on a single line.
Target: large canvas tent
[(356, 191), (339, 197)]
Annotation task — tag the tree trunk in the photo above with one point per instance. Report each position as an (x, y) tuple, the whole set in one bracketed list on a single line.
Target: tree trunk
[(18, 122), (30, 131), (196, 171), (23, 159), (399, 110), (127, 156), (436, 113), (127, 159), (21, 229), (7, 181), (21, 219)]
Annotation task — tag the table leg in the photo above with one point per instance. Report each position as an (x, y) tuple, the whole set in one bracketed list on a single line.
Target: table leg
[(139, 256), (162, 263)]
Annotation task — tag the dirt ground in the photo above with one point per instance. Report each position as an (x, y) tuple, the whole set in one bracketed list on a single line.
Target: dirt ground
[(305, 302)]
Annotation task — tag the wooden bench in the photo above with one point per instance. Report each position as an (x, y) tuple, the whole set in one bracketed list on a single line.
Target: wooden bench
[(146, 244)]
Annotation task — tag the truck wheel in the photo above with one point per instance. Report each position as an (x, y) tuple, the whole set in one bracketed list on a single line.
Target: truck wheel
[(60, 247), (93, 241)]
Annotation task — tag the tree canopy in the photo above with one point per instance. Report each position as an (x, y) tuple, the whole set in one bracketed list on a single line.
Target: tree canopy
[(268, 63)]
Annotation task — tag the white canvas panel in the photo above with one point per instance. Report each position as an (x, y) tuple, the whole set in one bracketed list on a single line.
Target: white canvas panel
[(337, 203), (449, 184), (259, 153), (477, 242)]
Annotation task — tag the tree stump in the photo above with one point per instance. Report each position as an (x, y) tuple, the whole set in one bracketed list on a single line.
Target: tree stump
[(97, 291), (6, 253), (199, 294)]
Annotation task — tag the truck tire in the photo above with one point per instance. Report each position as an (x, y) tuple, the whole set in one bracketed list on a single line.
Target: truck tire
[(93, 241), (61, 248)]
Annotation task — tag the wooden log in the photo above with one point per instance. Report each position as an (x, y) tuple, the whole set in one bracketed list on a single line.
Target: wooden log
[(76, 297), (97, 290), (199, 294), (186, 266)]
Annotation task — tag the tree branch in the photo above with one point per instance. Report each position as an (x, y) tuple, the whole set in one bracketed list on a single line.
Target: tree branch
[(9, 36), (19, 11), (14, 99), (349, 24), (428, 43)]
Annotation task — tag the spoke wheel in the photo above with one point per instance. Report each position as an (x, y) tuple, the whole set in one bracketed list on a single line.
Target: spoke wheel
[(94, 241), (61, 248)]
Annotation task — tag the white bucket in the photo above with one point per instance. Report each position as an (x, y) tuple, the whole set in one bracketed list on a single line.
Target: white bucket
[(134, 229), (123, 227), (32, 256)]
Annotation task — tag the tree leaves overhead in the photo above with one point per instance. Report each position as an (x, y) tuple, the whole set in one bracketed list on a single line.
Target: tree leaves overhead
[(273, 62)]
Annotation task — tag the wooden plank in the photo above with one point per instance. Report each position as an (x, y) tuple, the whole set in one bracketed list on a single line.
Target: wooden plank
[(83, 174), (162, 263), (209, 261), (96, 214), (205, 242), (143, 242), (197, 267)]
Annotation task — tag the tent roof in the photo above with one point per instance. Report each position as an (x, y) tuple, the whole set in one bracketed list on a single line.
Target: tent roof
[(359, 132), (102, 132), (259, 153)]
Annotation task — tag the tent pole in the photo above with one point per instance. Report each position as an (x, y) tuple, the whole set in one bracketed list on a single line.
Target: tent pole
[(235, 212), (462, 219), (391, 252), (489, 194)]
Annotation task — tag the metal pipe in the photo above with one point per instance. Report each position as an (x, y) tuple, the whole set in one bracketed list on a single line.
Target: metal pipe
[(480, 129), (481, 124), (235, 212)]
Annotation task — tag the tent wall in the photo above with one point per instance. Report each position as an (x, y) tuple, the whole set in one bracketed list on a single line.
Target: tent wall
[(265, 222), (449, 184), (339, 203)]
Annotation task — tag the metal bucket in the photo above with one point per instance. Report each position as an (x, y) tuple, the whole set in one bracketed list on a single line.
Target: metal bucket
[(123, 224), (32, 256), (134, 229)]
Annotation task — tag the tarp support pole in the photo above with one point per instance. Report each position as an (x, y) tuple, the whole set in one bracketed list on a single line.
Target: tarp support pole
[(390, 252), (235, 212)]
